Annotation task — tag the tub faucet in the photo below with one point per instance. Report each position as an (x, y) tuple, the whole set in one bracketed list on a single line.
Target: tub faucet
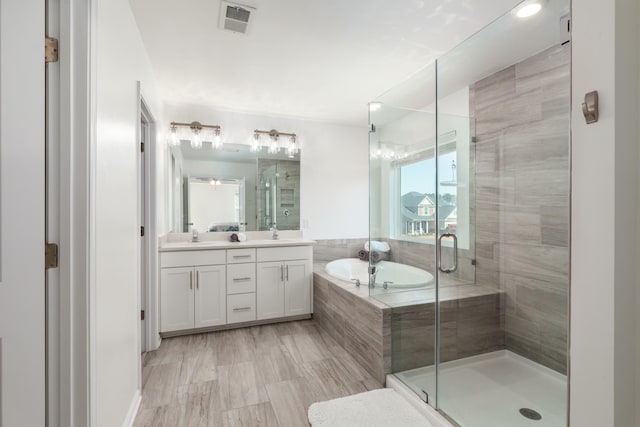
[(194, 235), (372, 273), (357, 282), (274, 232)]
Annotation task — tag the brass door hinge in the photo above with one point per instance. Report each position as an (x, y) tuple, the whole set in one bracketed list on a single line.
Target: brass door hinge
[(142, 231), (50, 256), (50, 50), (141, 314)]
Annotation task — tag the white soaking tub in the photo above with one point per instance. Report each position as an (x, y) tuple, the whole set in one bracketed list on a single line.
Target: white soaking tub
[(394, 274)]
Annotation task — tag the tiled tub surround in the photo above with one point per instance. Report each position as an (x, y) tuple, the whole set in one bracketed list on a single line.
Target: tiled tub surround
[(522, 192), (332, 249), (472, 323)]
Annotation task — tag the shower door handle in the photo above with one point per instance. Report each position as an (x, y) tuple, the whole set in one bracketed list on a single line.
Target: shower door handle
[(455, 253)]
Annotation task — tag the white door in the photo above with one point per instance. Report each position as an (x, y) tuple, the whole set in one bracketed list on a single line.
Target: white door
[(176, 298), (22, 213), (270, 290), (297, 288), (211, 296)]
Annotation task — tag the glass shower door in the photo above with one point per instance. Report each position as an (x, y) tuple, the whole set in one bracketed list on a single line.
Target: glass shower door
[(402, 220), (502, 337)]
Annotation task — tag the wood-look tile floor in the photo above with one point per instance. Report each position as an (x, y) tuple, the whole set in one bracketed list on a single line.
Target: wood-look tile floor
[(259, 376)]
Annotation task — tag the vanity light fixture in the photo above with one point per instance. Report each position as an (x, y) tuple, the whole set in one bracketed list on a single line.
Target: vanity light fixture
[(273, 147), (196, 137)]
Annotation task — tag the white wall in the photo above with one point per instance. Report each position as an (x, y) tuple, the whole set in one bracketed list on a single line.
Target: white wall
[(121, 61), (604, 163), (334, 166)]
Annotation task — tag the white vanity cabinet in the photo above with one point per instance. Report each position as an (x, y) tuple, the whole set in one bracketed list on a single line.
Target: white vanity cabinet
[(192, 290), (284, 283), (219, 288)]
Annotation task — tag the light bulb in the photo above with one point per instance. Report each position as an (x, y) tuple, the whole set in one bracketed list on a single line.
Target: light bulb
[(174, 141), (255, 143), (529, 10), (374, 106), (196, 140), (292, 148), (217, 140), (273, 147)]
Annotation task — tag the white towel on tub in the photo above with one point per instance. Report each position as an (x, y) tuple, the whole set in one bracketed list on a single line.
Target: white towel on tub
[(377, 246)]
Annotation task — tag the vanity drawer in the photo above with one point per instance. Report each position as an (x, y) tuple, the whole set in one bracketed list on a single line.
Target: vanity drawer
[(284, 253), (241, 278), (241, 308), (191, 258), (236, 256)]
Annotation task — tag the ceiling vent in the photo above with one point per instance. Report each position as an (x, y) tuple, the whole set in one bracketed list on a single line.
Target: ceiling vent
[(236, 17)]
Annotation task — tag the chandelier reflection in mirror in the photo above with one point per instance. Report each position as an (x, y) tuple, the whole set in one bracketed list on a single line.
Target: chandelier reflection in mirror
[(274, 142), (195, 133)]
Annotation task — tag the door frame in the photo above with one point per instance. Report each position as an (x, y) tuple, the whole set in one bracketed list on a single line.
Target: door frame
[(148, 333), (71, 179)]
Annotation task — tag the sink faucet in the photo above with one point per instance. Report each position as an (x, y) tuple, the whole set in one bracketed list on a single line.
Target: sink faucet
[(194, 235), (274, 232)]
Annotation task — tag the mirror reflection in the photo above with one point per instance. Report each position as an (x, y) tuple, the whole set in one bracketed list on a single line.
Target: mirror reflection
[(233, 189)]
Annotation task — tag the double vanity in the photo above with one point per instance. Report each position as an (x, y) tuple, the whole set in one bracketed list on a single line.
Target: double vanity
[(213, 285)]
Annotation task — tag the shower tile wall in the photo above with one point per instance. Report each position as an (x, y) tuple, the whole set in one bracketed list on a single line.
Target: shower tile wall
[(522, 196), (288, 197)]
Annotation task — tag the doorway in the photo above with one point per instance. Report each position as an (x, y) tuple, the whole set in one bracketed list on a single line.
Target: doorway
[(144, 202)]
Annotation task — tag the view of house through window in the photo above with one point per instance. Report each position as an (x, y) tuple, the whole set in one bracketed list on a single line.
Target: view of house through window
[(418, 202)]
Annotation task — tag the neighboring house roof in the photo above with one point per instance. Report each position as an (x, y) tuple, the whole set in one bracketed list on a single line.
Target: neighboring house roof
[(413, 200), (445, 213)]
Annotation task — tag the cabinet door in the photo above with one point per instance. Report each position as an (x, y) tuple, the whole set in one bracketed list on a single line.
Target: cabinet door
[(211, 296), (176, 298), (270, 290), (297, 288)]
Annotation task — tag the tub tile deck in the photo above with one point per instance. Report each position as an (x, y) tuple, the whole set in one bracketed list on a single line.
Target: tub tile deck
[(394, 331)]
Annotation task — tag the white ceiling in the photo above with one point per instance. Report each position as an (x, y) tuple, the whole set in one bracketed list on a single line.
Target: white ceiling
[(314, 59)]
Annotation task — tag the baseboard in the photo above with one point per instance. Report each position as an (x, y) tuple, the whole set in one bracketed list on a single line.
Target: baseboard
[(133, 410), (434, 417), (234, 326)]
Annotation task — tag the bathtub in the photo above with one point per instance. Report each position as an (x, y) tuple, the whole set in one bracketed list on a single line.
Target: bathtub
[(398, 275)]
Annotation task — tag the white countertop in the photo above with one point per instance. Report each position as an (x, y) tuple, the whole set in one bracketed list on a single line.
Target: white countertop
[(221, 244)]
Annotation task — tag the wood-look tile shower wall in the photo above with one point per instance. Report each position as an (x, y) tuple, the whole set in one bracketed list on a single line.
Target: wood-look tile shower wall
[(522, 200)]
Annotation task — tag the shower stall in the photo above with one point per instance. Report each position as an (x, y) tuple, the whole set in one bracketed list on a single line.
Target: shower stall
[(469, 181)]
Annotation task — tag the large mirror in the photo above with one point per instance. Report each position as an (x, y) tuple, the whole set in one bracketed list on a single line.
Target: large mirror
[(233, 189)]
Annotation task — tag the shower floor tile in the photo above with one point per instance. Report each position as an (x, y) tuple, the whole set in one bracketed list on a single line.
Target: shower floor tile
[(490, 389)]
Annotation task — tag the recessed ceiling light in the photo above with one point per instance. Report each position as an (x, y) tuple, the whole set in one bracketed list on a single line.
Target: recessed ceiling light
[(528, 10), (375, 106)]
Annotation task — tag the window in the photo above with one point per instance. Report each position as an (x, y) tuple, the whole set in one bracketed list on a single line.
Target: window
[(417, 203)]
